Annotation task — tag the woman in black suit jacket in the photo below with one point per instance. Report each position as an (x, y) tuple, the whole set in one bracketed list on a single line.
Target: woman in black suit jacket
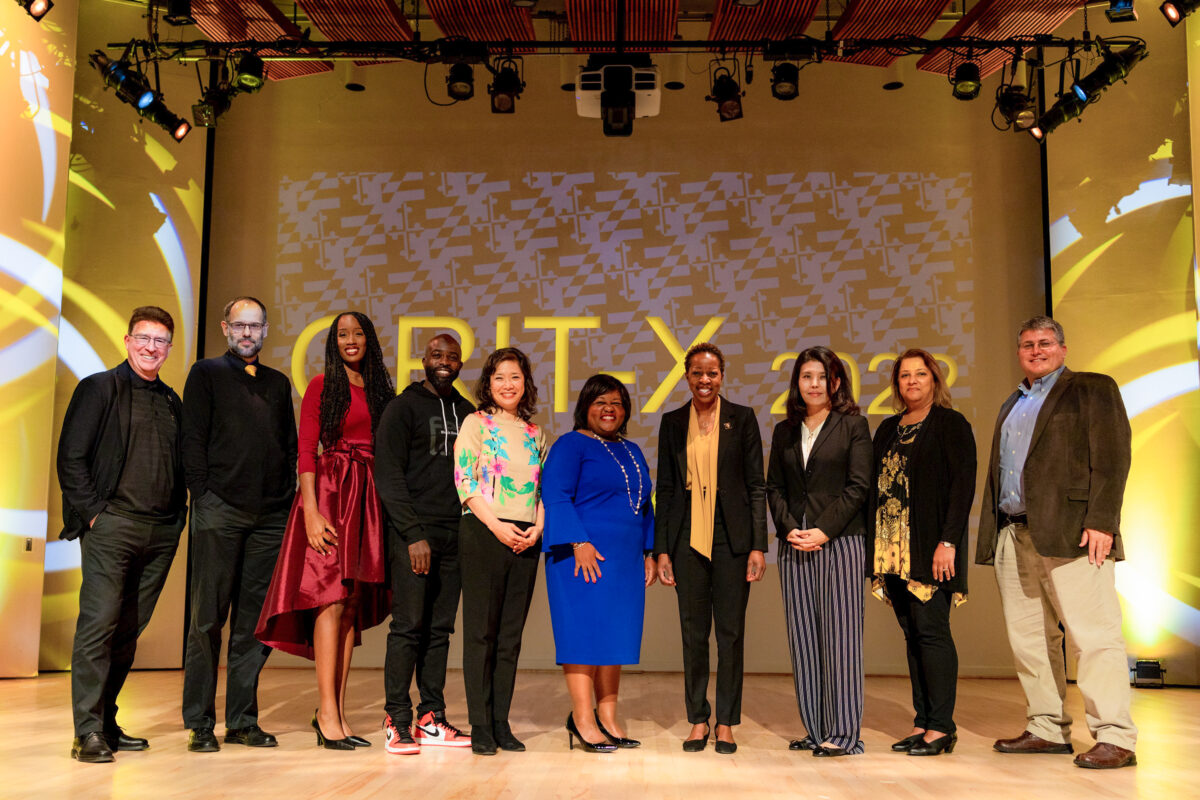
[(710, 536), (817, 483), (925, 457)]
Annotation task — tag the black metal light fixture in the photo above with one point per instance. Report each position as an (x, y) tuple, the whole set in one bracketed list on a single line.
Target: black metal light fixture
[(1015, 98), (966, 81), (785, 81), (460, 81), (158, 113), (1114, 66), (727, 94), (36, 8), (1068, 107), (1176, 10), (178, 13), (215, 102), (1121, 11), (250, 73), (506, 87), (130, 85)]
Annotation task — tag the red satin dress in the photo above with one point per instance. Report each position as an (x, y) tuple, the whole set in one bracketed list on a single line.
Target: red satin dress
[(304, 580)]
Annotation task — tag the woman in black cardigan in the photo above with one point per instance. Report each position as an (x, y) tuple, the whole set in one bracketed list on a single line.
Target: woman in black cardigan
[(817, 484), (925, 467)]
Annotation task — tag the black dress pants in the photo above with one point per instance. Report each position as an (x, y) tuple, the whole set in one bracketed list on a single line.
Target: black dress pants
[(125, 564), (497, 588), (712, 591), (423, 611), (932, 657), (233, 556)]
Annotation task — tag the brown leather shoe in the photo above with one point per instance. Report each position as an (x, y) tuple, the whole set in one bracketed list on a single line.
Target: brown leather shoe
[(1028, 743), (1106, 756)]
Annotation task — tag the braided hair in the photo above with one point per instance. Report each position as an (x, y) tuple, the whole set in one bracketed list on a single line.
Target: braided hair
[(335, 397)]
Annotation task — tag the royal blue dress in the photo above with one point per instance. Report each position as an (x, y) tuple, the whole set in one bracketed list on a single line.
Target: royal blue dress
[(589, 499)]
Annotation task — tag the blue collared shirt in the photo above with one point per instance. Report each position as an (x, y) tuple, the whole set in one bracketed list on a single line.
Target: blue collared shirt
[(1015, 435)]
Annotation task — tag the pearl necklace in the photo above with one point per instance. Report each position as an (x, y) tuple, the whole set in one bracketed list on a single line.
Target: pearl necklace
[(635, 508)]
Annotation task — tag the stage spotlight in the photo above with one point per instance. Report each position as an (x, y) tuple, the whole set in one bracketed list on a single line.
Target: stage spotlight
[(966, 81), (1121, 11), (179, 12), (505, 88), (250, 73), (618, 103), (36, 8), (1016, 106), (785, 79), (727, 94), (1176, 10), (215, 102), (1115, 66), (158, 113), (1068, 107), (460, 82), (130, 85)]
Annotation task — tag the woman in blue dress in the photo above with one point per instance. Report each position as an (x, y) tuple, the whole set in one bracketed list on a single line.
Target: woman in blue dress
[(599, 532)]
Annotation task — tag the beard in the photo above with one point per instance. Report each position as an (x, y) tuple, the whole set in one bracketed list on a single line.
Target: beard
[(244, 347), (437, 381)]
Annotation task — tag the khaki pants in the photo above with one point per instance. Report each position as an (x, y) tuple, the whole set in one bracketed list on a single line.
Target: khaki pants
[(1037, 594)]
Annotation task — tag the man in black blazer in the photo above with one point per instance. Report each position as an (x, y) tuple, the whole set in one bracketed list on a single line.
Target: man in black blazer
[(124, 498), (1050, 523)]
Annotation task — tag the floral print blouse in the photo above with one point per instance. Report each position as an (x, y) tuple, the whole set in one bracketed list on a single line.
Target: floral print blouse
[(500, 460)]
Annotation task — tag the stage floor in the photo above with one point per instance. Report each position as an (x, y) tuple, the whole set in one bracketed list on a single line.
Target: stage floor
[(35, 719)]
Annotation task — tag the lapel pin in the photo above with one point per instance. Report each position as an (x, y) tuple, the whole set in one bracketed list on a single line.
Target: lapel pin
[(728, 426)]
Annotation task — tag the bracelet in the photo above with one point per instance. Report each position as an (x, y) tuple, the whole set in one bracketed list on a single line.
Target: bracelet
[(577, 545)]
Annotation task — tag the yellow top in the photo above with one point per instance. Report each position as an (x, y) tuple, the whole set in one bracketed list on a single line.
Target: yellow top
[(702, 478)]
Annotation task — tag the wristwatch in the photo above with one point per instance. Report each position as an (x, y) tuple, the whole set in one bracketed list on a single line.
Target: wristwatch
[(946, 544)]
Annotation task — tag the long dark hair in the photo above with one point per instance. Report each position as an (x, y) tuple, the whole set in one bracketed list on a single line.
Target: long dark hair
[(335, 397), (840, 399), (593, 388), (527, 406)]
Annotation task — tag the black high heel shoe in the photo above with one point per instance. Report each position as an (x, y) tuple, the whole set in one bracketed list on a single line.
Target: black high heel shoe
[(358, 741), (907, 743), (329, 744), (697, 745), (619, 741), (942, 744), (588, 747)]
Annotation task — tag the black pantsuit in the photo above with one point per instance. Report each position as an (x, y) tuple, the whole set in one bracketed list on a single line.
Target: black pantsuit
[(423, 611), (932, 657), (125, 564), (712, 593), (497, 588), (233, 556)]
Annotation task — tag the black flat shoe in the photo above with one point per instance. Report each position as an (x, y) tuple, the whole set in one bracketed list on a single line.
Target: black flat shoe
[(117, 739), (588, 747), (91, 749), (504, 738), (358, 741), (620, 741), (251, 736), (725, 748), (942, 744), (697, 745), (329, 744), (821, 751), (482, 741), (203, 740), (906, 744), (802, 744)]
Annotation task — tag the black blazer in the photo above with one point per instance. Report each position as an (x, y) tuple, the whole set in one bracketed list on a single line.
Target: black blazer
[(741, 489), (941, 487), (830, 491), (91, 447)]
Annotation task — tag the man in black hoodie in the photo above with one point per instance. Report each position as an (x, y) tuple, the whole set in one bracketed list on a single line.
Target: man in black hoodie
[(414, 474)]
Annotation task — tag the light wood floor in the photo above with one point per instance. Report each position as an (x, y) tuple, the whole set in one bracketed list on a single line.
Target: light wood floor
[(35, 722)]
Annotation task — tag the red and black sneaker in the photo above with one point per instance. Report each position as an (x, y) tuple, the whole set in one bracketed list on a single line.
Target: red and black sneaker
[(433, 730), (400, 741)]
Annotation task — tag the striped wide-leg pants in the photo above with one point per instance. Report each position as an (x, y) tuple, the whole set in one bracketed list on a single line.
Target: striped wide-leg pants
[(823, 605)]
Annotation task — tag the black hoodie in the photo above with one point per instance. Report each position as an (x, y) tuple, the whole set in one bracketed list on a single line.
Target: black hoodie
[(414, 459)]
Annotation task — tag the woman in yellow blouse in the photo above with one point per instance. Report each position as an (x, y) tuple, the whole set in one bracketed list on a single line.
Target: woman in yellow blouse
[(498, 463)]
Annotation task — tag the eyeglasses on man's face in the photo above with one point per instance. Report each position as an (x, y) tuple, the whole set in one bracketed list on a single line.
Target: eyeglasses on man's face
[(143, 340), (246, 327)]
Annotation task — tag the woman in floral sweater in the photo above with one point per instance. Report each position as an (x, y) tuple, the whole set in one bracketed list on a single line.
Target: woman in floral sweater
[(498, 463)]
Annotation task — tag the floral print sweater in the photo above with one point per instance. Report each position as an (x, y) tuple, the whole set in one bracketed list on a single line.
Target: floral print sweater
[(500, 460)]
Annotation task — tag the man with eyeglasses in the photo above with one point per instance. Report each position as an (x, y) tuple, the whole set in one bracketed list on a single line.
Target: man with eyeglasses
[(239, 455), (1050, 523), (121, 472)]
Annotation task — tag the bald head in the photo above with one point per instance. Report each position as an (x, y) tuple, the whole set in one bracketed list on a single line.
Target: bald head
[(442, 362)]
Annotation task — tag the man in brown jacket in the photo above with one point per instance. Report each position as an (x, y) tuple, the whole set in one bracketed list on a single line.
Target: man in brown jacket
[(1050, 523)]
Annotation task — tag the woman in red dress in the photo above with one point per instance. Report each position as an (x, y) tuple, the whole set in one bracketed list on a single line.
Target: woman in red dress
[(330, 582)]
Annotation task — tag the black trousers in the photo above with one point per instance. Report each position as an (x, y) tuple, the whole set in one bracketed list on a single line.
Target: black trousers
[(125, 564), (712, 591), (233, 556), (932, 657), (423, 611), (497, 588)]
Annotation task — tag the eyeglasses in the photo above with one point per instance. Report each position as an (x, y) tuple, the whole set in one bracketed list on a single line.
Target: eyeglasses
[(144, 340), (246, 327)]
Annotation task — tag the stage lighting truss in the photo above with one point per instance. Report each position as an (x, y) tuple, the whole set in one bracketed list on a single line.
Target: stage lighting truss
[(726, 92), (128, 81), (507, 84), (36, 8), (1176, 10)]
